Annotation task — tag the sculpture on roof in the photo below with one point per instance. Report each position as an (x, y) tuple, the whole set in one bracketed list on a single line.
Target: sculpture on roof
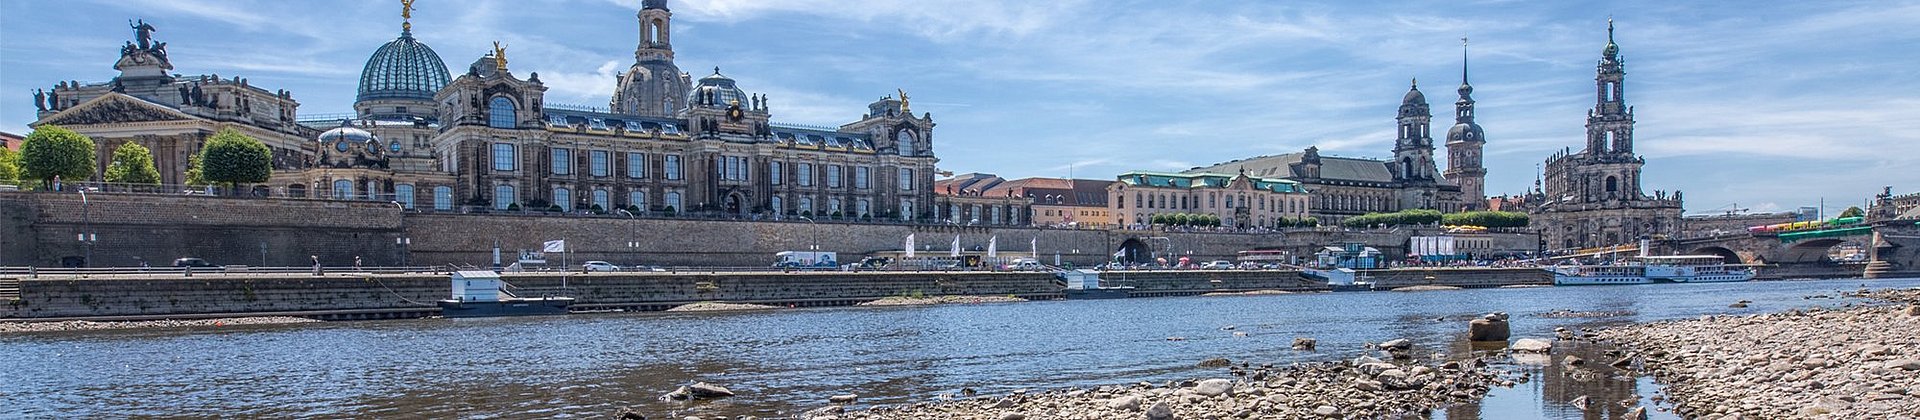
[(499, 55), (39, 99), (904, 108), (142, 32)]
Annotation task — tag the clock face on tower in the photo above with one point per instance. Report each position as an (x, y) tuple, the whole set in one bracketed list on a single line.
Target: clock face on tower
[(734, 113)]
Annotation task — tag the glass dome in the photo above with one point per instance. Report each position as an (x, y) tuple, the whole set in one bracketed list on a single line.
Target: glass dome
[(403, 69), (723, 88)]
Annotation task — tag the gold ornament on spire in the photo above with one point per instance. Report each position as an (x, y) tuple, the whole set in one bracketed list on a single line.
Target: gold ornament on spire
[(499, 56), (904, 108), (406, 15)]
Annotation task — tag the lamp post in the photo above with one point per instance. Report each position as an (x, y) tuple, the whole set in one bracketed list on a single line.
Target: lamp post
[(86, 236), (814, 247), (633, 243)]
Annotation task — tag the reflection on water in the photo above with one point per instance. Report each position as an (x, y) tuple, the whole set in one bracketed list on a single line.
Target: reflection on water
[(783, 362)]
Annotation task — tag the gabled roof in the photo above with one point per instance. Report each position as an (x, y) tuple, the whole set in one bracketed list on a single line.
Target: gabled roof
[(1280, 166), (114, 107)]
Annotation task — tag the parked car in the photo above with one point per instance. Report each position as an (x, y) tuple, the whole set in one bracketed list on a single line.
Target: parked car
[(600, 266), (1217, 265), (191, 262), (1025, 264)]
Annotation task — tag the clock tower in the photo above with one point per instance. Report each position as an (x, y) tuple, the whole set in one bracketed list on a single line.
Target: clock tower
[(654, 86)]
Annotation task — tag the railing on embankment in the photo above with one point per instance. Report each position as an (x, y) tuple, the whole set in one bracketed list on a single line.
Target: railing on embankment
[(368, 296), (1468, 278)]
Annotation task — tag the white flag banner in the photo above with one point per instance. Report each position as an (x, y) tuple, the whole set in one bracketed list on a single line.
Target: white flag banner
[(909, 245), (993, 247), (955, 250), (1034, 244), (555, 246)]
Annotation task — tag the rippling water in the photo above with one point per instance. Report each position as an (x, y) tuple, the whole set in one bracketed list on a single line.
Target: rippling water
[(786, 361)]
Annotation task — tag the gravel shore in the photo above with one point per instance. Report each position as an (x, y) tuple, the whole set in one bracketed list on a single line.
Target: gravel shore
[(1366, 388), (1848, 363), (29, 327), (936, 300), (718, 306)]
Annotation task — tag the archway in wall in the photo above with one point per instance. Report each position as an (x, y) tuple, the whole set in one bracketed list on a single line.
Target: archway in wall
[(1135, 251), (733, 204), (1724, 253)]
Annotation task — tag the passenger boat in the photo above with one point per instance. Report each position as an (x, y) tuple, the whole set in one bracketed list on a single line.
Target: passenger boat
[(478, 294), (1646, 270), (1340, 279)]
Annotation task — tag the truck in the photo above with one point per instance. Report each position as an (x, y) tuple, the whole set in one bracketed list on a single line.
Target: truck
[(805, 259)]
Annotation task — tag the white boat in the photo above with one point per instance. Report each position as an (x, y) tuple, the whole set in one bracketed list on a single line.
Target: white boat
[(1645, 270)]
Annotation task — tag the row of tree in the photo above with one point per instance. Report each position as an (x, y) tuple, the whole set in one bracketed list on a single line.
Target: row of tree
[(1403, 217), (1186, 219), (1492, 219), (51, 151)]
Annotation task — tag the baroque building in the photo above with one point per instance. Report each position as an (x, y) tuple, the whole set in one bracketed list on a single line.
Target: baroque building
[(486, 139), (1240, 201), (1594, 197), (1465, 143), (1343, 187)]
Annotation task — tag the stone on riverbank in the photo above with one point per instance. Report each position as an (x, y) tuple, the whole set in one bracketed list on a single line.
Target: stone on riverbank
[(938, 300), (1215, 362), (1489, 328), (1532, 345), (1425, 288), (29, 327), (843, 398), (719, 306), (1262, 292), (1304, 343)]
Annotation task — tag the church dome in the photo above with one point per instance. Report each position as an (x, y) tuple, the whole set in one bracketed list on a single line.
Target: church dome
[(347, 135), (1468, 132), (1414, 96), (723, 90), (403, 69)]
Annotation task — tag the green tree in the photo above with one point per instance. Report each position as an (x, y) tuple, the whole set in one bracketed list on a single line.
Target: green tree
[(193, 171), (51, 151), (9, 164), (1853, 212), (133, 164), (234, 158)]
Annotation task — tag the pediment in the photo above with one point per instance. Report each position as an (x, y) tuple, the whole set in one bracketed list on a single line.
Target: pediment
[(113, 108)]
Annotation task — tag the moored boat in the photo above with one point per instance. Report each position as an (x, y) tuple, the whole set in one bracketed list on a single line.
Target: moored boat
[(1645, 270), (478, 294)]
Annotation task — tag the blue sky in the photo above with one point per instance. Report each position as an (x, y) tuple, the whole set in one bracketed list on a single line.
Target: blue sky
[(1770, 105)]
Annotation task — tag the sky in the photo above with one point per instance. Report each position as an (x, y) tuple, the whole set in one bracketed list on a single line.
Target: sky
[(1762, 106)]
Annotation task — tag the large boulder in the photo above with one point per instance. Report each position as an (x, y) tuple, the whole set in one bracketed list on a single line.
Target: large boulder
[(1492, 327), (1159, 411), (1213, 387), (1401, 344), (703, 390), (1304, 343)]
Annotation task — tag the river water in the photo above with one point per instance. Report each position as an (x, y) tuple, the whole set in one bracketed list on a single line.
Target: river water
[(786, 361)]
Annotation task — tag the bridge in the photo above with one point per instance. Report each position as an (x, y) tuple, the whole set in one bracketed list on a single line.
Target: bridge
[(1892, 245)]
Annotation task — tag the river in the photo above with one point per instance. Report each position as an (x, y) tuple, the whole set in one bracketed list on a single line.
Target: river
[(786, 361)]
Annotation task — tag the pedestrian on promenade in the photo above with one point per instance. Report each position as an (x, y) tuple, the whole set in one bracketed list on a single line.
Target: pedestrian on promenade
[(316, 265), (356, 263)]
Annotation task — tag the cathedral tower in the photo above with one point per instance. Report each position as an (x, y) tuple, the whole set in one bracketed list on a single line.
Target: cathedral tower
[(1610, 125), (654, 86), (1464, 144), (1413, 149)]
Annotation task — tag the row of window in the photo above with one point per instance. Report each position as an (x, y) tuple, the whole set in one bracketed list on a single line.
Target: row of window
[(1162, 201), (402, 193), (506, 158), (984, 214), (507, 195)]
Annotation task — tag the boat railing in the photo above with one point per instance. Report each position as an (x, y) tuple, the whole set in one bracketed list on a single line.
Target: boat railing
[(517, 292)]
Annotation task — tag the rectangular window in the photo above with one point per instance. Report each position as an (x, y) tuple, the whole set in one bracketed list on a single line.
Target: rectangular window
[(600, 163), (733, 168), (833, 176), (673, 167), (906, 179), (403, 193), (806, 175), (862, 177), (562, 162), (443, 198), (773, 173), (636, 165), (503, 157)]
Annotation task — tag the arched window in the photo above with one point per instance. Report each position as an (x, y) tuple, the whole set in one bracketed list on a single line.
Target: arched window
[(403, 193), (343, 189), (778, 206), (603, 199), (806, 205), (503, 197), (443, 198), (564, 198), (1613, 185), (863, 208), (638, 199), (500, 113), (673, 202), (906, 209)]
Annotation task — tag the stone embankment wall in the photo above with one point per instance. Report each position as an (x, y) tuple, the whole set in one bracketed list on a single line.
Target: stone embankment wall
[(1194, 282), (412, 294), (41, 229)]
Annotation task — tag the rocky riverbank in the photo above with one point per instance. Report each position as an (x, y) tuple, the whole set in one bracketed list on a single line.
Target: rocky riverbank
[(1364, 388), (29, 327), (936, 300), (1847, 363), (719, 306), (1263, 292)]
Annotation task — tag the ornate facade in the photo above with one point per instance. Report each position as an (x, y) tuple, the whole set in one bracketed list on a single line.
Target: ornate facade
[(1593, 197), (487, 140), (1241, 201)]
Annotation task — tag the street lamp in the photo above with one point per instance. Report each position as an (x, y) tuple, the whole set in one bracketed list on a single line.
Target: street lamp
[(815, 246), (87, 237), (633, 243)]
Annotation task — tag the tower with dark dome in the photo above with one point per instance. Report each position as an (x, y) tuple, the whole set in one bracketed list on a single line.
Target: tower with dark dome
[(1413, 147), (400, 79), (654, 86), (1464, 144)]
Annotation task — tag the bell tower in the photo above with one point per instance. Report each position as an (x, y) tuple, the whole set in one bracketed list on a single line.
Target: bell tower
[(653, 86), (1465, 141), (1610, 125), (1413, 147)]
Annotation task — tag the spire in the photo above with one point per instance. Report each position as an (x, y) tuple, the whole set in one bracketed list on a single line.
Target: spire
[(1609, 29), (1463, 62)]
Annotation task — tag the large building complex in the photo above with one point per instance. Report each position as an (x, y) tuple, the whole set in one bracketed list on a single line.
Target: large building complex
[(1593, 197), (1240, 201), (487, 139)]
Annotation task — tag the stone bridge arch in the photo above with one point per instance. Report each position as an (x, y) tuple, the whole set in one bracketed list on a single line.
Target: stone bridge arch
[(1808, 251), (1723, 252), (1135, 251)]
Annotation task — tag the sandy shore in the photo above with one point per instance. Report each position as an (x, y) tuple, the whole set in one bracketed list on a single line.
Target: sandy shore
[(1847, 363), (26, 327), (936, 300)]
